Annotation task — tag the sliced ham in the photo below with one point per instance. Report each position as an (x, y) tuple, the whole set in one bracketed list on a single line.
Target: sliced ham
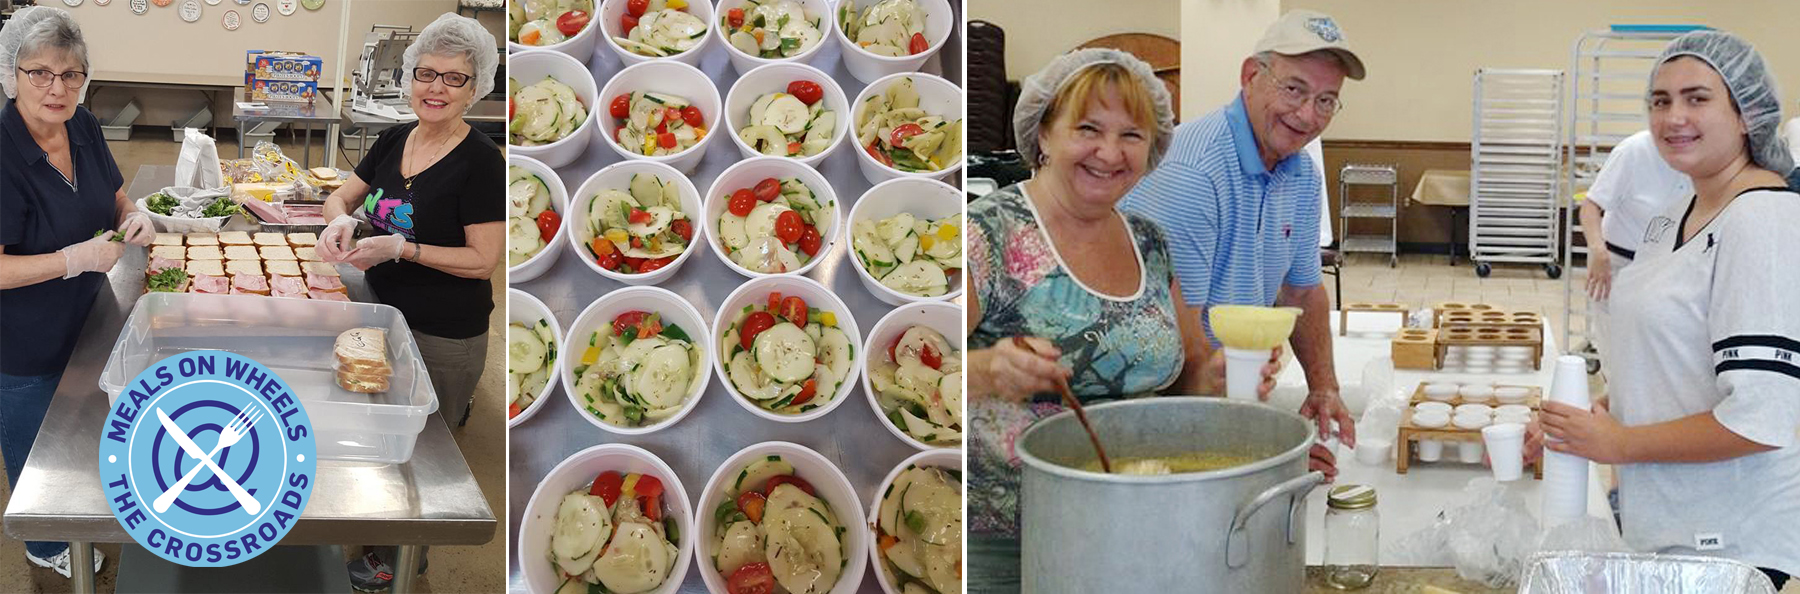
[(287, 284), (265, 211), (214, 285), (250, 282), (289, 294), (324, 283), (159, 263), (327, 295)]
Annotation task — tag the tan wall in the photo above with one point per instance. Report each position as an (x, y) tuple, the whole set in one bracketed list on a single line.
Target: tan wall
[(1422, 55), (1216, 36), (1038, 30)]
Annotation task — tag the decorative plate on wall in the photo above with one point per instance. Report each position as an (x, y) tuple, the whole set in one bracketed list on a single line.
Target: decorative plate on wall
[(102, 2), (190, 10), (260, 12), (231, 21), (140, 6), (162, 3), (313, 4), (72, 3), (286, 7)]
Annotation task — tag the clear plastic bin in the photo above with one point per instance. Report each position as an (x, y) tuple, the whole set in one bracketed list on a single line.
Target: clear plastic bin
[(294, 338), (1571, 572)]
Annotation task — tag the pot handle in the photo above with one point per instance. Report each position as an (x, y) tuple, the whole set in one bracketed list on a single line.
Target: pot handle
[(1237, 541)]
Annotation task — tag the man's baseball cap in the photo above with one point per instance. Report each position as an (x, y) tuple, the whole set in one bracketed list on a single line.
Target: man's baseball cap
[(1301, 31)]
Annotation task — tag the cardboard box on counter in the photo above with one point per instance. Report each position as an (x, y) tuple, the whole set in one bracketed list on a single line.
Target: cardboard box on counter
[(281, 91), (289, 66)]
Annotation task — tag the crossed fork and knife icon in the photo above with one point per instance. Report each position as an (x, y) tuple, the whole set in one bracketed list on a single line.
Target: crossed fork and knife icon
[(233, 432)]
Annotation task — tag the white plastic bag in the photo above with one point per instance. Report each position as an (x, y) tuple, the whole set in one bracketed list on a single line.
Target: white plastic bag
[(198, 166), (192, 200)]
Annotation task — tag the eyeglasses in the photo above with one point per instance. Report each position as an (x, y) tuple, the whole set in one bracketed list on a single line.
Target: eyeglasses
[(42, 78), (454, 79), (1295, 95)]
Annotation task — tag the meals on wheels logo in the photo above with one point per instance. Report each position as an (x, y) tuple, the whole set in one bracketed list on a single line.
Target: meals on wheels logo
[(207, 458)]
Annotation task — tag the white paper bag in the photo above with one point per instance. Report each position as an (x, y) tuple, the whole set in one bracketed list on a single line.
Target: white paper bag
[(199, 163)]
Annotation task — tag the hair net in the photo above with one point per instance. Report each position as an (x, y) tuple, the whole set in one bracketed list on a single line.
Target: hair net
[(1037, 91), (458, 36), (35, 21), (1752, 90)]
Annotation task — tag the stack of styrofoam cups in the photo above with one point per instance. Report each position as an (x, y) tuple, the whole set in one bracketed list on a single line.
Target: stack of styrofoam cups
[(1566, 475), (1505, 449), (1243, 372)]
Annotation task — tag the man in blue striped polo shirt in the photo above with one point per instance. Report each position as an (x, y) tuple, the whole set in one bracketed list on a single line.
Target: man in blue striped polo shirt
[(1239, 199)]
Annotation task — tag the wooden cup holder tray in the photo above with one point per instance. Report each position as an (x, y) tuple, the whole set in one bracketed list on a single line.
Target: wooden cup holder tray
[(1411, 434), (1344, 313), (1492, 336)]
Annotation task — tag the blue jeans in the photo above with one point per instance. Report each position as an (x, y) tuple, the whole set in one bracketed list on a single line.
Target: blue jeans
[(23, 401)]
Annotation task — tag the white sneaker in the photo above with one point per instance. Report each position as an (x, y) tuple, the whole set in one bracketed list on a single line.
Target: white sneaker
[(60, 562)]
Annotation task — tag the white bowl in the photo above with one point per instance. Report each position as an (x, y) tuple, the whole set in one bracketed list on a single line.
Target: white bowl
[(669, 78), (824, 10), (745, 174), (618, 176), (1442, 407), (535, 266), (830, 484), (774, 77), (930, 458), (524, 308), (937, 97), (599, 316), (1440, 391), (924, 198), (580, 47), (579, 470), (945, 318), (1512, 394), (611, 10), (531, 67), (866, 66), (1474, 409), (757, 291)]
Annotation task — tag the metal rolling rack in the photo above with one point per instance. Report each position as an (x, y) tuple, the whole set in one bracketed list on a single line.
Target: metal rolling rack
[(1515, 176), (1608, 71), (1370, 175)]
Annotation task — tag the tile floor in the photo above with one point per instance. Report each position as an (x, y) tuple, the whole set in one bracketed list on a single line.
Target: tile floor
[(483, 441)]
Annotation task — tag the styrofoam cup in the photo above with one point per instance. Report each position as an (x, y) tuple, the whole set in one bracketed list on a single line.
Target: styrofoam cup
[(774, 78), (866, 67), (533, 66), (1505, 449), (1469, 452), (937, 97), (617, 176), (1569, 384), (1373, 452), (1431, 450), (669, 78), (923, 198), (610, 27), (824, 10), (1243, 372)]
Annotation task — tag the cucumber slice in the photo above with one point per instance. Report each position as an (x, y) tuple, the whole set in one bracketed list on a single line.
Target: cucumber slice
[(522, 236), (760, 106), (784, 352), (820, 557), (581, 521), (918, 277), (662, 379), (660, 217), (731, 231), (836, 352), (742, 545), (902, 95), (519, 191), (637, 560), (636, 47), (798, 195), (787, 114), (524, 351), (758, 473), (749, 383), (745, 42), (607, 210), (907, 249), (671, 196), (874, 253), (895, 228), (665, 100), (761, 221), (543, 331), (822, 126), (646, 189), (767, 140)]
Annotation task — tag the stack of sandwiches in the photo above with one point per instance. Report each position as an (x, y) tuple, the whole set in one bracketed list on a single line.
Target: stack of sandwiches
[(241, 263), (362, 361)]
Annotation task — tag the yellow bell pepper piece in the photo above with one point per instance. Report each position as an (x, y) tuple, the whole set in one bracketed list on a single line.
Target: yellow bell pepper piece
[(617, 236), (628, 491), (649, 143), (678, 4), (926, 241), (591, 355), (947, 232), (828, 318)]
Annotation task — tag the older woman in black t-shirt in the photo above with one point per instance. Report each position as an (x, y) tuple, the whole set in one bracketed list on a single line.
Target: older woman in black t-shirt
[(432, 191)]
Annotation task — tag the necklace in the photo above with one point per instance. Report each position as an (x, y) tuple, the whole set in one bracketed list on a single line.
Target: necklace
[(433, 158)]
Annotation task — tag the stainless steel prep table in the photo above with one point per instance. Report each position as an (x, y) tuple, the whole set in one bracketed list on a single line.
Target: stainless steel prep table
[(432, 500), (851, 436)]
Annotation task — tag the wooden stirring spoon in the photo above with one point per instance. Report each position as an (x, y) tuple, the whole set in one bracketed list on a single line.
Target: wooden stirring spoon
[(1062, 387)]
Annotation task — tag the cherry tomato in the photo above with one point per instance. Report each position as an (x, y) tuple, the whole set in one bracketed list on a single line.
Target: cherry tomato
[(693, 117), (768, 189), (789, 479), (810, 241), (639, 216), (648, 485), (547, 222), (652, 506), (742, 202), (735, 17), (636, 8), (880, 157), (571, 22), (628, 320), (752, 578), (806, 91), (807, 390), (904, 131), (793, 148), (930, 357), (650, 265), (512, 410), (637, 243), (683, 229), (788, 226), (794, 309), (755, 324), (671, 114), (775, 302), (662, 127), (628, 22), (917, 44), (621, 106), (607, 486), (752, 504), (634, 263), (510, 108)]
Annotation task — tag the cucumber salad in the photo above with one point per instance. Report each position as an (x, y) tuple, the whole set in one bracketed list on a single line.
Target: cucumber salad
[(655, 124), (638, 371), (640, 231), (774, 534), (530, 359), (547, 22), (530, 223), (791, 124), (774, 226), (887, 28), (919, 531), (786, 357), (919, 386), (908, 254), (544, 112), (659, 28), (894, 130), (615, 534), (772, 29)]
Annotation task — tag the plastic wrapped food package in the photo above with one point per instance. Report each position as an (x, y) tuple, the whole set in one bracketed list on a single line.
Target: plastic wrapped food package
[(1573, 572)]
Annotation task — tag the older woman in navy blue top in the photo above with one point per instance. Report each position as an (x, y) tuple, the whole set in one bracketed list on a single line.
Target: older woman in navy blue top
[(63, 212)]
